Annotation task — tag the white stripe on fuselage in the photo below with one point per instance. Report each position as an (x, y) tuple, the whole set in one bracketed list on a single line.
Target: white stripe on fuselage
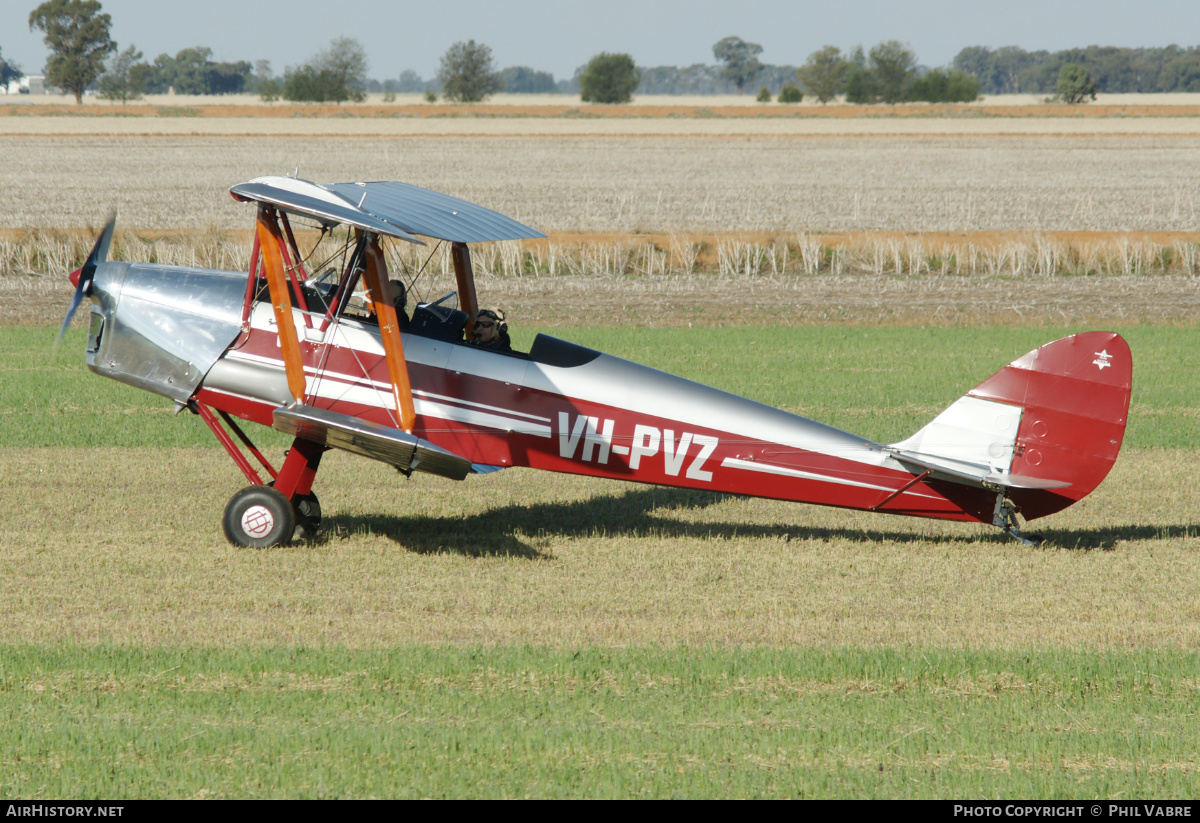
[(386, 388), (767, 468), (431, 395), (345, 388), (588, 384)]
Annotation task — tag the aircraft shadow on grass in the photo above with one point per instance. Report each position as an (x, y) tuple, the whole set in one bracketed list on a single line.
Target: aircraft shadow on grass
[(516, 531)]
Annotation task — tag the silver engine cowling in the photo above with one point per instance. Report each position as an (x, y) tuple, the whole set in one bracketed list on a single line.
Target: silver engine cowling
[(161, 328)]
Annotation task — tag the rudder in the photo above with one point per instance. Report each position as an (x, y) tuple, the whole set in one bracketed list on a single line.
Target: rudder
[(1075, 394)]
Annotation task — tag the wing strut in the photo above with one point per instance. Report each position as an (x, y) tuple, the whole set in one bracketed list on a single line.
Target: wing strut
[(379, 291), (464, 278), (269, 238)]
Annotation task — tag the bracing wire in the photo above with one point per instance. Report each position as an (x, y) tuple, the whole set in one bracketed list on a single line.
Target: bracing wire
[(424, 266)]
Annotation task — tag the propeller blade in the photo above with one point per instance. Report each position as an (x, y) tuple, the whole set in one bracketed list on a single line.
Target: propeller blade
[(98, 255)]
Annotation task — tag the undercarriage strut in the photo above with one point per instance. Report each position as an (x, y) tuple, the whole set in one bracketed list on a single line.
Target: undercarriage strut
[(1005, 516)]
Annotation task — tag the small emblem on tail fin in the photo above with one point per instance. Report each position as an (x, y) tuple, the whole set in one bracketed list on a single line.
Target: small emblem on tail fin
[(1102, 358)]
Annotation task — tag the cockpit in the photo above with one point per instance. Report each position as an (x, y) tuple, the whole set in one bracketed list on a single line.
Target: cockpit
[(323, 299), (357, 238)]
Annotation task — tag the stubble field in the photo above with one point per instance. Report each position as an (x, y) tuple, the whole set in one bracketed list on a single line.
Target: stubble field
[(631, 184), (538, 635), (789, 224)]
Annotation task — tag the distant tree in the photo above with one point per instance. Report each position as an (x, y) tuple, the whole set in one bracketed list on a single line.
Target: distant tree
[(262, 73), (975, 61), (307, 84), (192, 71), (269, 89), (824, 73), (1181, 73), (697, 78), (940, 86), (571, 86), (9, 71), (335, 75), (125, 76), (77, 36), (1075, 85), (524, 80), (189, 68), (409, 82), (961, 88), (1039, 74), (790, 94), (161, 73), (1011, 67), (468, 74), (740, 59), (609, 78), (226, 78), (764, 95), (893, 67), (1114, 70), (776, 77), (860, 83), (345, 62)]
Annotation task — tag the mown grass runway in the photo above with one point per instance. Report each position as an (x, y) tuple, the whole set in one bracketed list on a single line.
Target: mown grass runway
[(533, 634), (651, 722)]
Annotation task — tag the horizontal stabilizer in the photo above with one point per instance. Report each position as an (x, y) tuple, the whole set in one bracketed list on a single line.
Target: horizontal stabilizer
[(974, 474), (362, 437)]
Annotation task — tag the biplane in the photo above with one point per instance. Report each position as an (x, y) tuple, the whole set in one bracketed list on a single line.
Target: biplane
[(317, 350)]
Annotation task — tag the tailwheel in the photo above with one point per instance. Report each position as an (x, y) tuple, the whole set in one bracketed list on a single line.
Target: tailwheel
[(307, 509), (258, 517), (1005, 516)]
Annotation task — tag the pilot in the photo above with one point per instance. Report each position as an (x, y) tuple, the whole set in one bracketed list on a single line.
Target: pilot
[(400, 301), (491, 332)]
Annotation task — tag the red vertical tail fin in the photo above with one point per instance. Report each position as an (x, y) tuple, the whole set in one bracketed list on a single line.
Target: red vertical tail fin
[(1074, 393)]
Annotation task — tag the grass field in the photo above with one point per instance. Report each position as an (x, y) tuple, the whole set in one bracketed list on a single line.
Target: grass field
[(524, 722), (530, 634), (539, 635)]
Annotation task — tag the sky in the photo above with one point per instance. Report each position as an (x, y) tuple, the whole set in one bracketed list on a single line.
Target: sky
[(560, 35)]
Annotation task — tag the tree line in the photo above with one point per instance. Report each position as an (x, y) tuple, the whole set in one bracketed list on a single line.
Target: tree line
[(83, 56), (1012, 70)]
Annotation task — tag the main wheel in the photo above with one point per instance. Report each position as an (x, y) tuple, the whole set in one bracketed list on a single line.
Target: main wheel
[(307, 509), (258, 517)]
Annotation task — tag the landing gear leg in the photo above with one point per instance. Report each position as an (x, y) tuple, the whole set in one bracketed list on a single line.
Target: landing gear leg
[(1005, 516), (295, 481), (255, 516)]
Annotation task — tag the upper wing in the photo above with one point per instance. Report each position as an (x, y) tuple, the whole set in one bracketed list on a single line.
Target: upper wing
[(393, 209), (303, 197)]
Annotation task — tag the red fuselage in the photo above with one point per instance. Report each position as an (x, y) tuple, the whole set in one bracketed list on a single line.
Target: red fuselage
[(573, 410)]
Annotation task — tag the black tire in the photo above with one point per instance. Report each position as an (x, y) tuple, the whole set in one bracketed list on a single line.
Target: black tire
[(258, 517), (307, 509)]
